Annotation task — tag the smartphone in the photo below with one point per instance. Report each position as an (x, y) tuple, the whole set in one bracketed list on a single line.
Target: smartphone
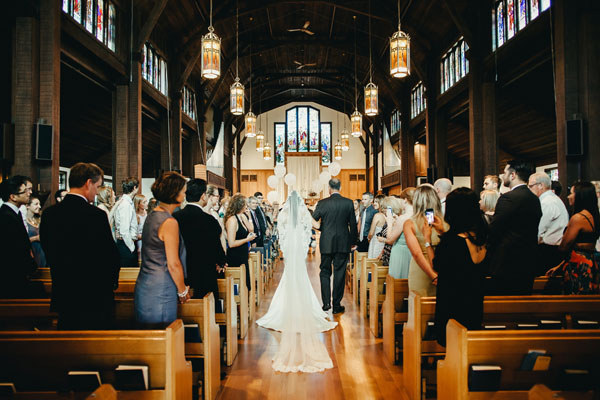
[(429, 215), (389, 211)]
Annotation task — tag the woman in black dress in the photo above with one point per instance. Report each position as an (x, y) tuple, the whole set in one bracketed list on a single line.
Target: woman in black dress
[(460, 261), (239, 234)]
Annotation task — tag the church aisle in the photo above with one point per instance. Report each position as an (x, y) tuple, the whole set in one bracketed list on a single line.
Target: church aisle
[(360, 370)]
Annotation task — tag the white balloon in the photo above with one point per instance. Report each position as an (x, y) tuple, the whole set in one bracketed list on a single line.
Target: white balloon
[(290, 179), (334, 168), (317, 186), (324, 177), (272, 181), (280, 171), (272, 196)]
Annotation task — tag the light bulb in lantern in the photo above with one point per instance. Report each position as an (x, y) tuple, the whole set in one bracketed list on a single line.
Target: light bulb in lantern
[(345, 140), (211, 55), (260, 141), (400, 54), (236, 92), (371, 106), (337, 151), (356, 123), (250, 124), (267, 151)]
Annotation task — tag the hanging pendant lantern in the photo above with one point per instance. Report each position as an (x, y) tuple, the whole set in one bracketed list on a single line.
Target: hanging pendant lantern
[(267, 151), (236, 105), (337, 151), (371, 107), (400, 54), (211, 55), (250, 124), (356, 122), (345, 140), (260, 141)]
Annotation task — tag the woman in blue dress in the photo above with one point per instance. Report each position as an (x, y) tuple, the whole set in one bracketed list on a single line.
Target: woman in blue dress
[(400, 255), (160, 284)]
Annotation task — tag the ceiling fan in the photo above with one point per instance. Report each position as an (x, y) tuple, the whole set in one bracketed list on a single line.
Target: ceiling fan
[(300, 65), (303, 29)]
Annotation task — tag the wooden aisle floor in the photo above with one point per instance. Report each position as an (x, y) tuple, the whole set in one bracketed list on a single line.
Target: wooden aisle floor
[(360, 370)]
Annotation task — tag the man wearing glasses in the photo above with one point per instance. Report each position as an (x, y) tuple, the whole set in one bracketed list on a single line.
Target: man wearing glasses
[(552, 224), (15, 246)]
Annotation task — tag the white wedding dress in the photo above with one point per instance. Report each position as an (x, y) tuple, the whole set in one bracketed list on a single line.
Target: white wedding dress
[(295, 310)]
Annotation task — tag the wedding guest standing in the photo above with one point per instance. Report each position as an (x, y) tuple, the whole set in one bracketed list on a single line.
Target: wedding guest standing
[(205, 255), (81, 253), (126, 226), (161, 282), (443, 186), (33, 229), (356, 204), (487, 203), (366, 218), (421, 275), (106, 199), (460, 262), (15, 247), (514, 233), (375, 245), (580, 269), (400, 255), (140, 204), (238, 234)]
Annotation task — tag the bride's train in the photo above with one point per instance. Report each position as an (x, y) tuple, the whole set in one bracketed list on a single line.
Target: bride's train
[(295, 310)]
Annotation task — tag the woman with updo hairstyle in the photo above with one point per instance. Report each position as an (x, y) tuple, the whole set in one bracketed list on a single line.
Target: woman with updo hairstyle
[(488, 201), (421, 276), (106, 199), (239, 233), (400, 255), (161, 282), (33, 229)]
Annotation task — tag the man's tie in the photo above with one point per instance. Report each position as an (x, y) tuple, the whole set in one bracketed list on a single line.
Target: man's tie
[(256, 223)]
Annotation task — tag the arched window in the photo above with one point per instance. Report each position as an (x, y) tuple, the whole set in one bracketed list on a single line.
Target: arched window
[(303, 132)]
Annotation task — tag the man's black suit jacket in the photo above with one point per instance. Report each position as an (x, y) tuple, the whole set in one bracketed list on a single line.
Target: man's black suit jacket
[(513, 238), (15, 251), (82, 255), (338, 224), (201, 235), (258, 229)]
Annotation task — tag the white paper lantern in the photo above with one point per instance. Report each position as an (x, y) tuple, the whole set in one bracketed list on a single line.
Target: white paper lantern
[(334, 168), (317, 186), (280, 171), (324, 177), (272, 181), (272, 196), (290, 179)]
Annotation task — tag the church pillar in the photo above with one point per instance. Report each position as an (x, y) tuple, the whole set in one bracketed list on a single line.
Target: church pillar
[(433, 133), (176, 127), (120, 144), (228, 150), (440, 146), (376, 133), (134, 122), (577, 63), (367, 159), (407, 144)]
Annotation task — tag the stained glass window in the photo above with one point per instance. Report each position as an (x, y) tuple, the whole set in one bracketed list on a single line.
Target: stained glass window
[(188, 105), (89, 16), (100, 20), (313, 125), (395, 122), (302, 129), (279, 143), (77, 10), (326, 143), (112, 27), (501, 24), (545, 4), (66, 6), (522, 13), (510, 15), (534, 9), (154, 69), (292, 133), (164, 80), (417, 101), (454, 66)]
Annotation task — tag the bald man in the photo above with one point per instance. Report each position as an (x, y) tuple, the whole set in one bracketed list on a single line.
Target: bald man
[(443, 186)]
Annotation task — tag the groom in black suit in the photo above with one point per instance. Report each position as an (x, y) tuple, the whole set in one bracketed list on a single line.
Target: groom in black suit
[(338, 234)]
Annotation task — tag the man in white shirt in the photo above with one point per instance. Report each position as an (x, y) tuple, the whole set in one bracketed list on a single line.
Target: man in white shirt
[(443, 187), (126, 227), (552, 224)]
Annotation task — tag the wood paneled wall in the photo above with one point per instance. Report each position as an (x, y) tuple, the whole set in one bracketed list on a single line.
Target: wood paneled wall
[(255, 180), (420, 160)]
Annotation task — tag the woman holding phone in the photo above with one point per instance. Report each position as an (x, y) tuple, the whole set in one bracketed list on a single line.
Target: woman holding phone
[(239, 234), (427, 211), (375, 245)]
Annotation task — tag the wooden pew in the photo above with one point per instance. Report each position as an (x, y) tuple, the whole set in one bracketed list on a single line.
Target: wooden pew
[(126, 287), (568, 348), (104, 392), (376, 297), (496, 309), (242, 300), (255, 261), (38, 362), (395, 314), (125, 274), (367, 266), (228, 318), (358, 256), (13, 313)]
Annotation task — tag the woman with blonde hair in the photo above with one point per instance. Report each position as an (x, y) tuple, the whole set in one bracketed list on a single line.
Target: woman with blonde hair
[(400, 254), (421, 276), (140, 205), (377, 226), (106, 199), (488, 201), (212, 208), (239, 234)]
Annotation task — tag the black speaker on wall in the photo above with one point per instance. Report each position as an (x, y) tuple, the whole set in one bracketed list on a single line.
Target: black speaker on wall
[(44, 140), (432, 174), (574, 137)]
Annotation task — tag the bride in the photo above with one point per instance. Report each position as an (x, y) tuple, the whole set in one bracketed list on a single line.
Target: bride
[(295, 310)]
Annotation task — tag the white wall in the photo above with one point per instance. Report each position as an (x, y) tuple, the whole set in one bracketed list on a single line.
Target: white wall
[(462, 181), (252, 159)]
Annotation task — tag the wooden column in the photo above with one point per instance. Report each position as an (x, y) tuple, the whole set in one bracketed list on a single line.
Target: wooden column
[(577, 63), (407, 144), (176, 125), (440, 146), (238, 158), (120, 144), (431, 87), (228, 150), (134, 122), (376, 134), (25, 89), (166, 152), (367, 159), (50, 14)]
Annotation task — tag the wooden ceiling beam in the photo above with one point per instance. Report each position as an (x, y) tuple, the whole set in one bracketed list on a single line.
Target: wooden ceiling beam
[(144, 35), (461, 24)]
